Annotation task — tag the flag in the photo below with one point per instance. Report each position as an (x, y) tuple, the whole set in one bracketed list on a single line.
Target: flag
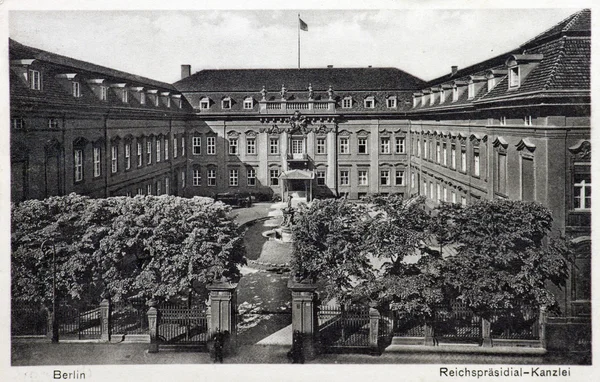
[(303, 25)]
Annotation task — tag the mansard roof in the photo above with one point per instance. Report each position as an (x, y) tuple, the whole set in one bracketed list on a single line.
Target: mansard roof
[(18, 51), (340, 79)]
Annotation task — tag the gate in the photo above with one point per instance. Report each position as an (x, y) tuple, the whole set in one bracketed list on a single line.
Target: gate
[(129, 317), (182, 326), (255, 324), (74, 323), (343, 327)]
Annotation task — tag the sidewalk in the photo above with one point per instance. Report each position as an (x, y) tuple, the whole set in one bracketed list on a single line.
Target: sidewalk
[(31, 353)]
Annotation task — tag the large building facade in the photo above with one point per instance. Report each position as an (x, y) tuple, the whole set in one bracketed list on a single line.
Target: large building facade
[(515, 126)]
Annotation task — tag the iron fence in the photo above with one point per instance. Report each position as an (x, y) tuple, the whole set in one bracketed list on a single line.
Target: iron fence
[(182, 325), (129, 317), (28, 320), (343, 326), (79, 323), (519, 324)]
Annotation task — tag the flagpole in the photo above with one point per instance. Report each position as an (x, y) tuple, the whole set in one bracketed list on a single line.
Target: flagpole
[(298, 40)]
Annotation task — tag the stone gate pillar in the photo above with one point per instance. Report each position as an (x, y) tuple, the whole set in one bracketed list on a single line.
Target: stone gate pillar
[(105, 320), (223, 309), (153, 326), (304, 314)]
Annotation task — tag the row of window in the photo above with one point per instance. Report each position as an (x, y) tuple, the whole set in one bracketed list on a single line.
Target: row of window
[(441, 157), (35, 83), (385, 145), (385, 177), (438, 192), (159, 150), (369, 102)]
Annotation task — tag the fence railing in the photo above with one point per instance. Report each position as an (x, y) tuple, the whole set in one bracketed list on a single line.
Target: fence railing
[(182, 325), (29, 320), (344, 327), (129, 317)]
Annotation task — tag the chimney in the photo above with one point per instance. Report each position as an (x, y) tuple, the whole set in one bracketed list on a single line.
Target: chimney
[(330, 66), (186, 71), (454, 69)]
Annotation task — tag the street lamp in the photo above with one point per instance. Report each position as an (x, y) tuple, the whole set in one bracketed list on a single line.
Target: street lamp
[(54, 322)]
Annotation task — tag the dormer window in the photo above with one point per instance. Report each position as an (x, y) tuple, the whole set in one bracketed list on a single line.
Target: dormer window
[(423, 99), (248, 103), (370, 102), (156, 101), (527, 121), (455, 93), (204, 103), (347, 102), (226, 103), (391, 102), (415, 99), (125, 97), (76, 89), (432, 99), (471, 91), (168, 102), (103, 93), (514, 80), (442, 96), (143, 98), (35, 80)]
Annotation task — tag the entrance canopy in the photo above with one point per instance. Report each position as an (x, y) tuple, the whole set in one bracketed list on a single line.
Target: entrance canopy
[(297, 174)]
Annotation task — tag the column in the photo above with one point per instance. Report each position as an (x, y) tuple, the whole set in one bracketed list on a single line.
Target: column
[(542, 326), (283, 142), (153, 326), (374, 317), (486, 333), (223, 308), (332, 161), (105, 320), (304, 314)]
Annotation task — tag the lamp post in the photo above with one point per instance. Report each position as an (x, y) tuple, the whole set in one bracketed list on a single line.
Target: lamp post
[(54, 322)]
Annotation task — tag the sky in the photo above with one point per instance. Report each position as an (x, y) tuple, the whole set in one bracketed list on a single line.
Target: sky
[(422, 42)]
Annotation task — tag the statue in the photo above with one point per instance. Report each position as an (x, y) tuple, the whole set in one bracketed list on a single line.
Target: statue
[(283, 91), (330, 93), (288, 214), (298, 123), (310, 91), (264, 93)]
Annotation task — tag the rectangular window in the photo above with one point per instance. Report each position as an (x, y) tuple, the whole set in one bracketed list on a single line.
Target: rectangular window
[(158, 149), (204, 103), (385, 145), (438, 153), (527, 180), (347, 103), (442, 96), (418, 148), (211, 177), (76, 89), (453, 197), (438, 188), (274, 177), (385, 177), (273, 146), (97, 162), (17, 123), (125, 96), (445, 194), (362, 145), (463, 200), (363, 177), (445, 155), (158, 187), (513, 77), (182, 146), (149, 151), (35, 80), (251, 177), (78, 164), (127, 156), (166, 148), (503, 121), (196, 145), (196, 177), (226, 103), (143, 98), (248, 103), (412, 180), (174, 147), (114, 159), (233, 146), (391, 102), (297, 146), (582, 190), (400, 147), (148, 189), (167, 186), (183, 179), (425, 149), (527, 120), (321, 148), (52, 123), (453, 157), (424, 191), (454, 94), (431, 191), (140, 191), (471, 91), (139, 154), (103, 93), (344, 146), (476, 164), (233, 177), (344, 177), (463, 159), (369, 103), (321, 177), (156, 100), (399, 177), (501, 171), (211, 147), (251, 146), (168, 102)]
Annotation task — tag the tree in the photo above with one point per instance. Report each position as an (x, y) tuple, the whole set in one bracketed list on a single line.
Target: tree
[(148, 246), (504, 255), (327, 244)]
